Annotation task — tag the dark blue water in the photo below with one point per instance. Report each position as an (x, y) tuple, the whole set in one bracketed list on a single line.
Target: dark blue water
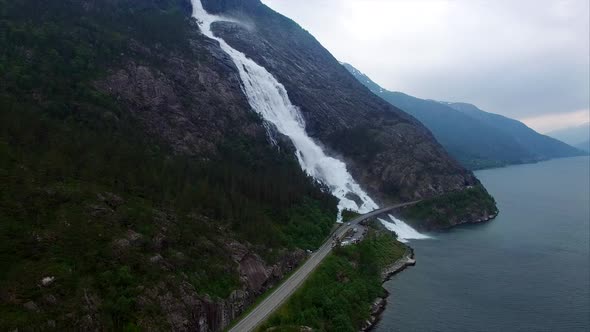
[(528, 270)]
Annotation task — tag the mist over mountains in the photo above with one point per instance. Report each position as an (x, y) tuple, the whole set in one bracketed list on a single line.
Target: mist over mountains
[(476, 138), (578, 136)]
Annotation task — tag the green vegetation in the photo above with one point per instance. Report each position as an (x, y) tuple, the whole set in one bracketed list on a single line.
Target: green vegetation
[(88, 198), (444, 211), (339, 294), (478, 163), (348, 215)]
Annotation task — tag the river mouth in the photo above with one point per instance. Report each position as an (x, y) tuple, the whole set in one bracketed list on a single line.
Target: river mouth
[(528, 270)]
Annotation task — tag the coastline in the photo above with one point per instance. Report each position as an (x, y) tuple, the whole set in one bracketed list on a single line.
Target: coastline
[(558, 212), (408, 259)]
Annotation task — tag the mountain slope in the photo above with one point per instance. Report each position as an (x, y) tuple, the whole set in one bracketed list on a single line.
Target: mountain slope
[(389, 152), (539, 146), (137, 189), (476, 138)]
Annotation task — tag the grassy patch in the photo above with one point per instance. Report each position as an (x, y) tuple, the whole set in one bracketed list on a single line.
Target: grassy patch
[(337, 296)]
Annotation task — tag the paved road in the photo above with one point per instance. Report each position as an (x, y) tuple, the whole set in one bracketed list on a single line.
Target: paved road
[(282, 293)]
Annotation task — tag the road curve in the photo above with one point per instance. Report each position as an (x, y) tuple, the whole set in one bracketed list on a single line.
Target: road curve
[(282, 293)]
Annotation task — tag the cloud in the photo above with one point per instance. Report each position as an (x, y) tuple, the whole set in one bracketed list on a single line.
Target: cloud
[(518, 58), (549, 122)]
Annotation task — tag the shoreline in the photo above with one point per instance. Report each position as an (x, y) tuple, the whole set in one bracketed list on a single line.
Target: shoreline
[(408, 259)]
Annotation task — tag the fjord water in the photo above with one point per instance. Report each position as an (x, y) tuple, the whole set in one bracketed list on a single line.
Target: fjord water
[(269, 98), (528, 270)]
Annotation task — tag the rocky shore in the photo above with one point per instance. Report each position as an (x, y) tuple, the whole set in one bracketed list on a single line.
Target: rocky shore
[(379, 304)]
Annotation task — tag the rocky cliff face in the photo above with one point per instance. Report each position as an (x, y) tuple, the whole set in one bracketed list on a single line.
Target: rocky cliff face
[(187, 310), (191, 101), (391, 153)]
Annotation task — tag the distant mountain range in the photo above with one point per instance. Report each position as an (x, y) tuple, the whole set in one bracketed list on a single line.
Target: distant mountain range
[(578, 136), (475, 138), (585, 146)]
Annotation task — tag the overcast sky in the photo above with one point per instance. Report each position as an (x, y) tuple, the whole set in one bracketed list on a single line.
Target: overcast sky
[(526, 59)]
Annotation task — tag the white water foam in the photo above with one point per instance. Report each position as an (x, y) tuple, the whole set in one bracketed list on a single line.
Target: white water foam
[(404, 231), (269, 98)]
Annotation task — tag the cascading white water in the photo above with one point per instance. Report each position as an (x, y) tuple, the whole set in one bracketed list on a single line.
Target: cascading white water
[(269, 98), (404, 231)]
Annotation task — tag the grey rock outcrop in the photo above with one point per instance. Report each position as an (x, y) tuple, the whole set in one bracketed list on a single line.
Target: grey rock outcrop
[(190, 101), (187, 310)]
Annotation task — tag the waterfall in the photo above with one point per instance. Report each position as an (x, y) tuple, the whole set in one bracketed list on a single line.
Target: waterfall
[(269, 98), (404, 231)]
